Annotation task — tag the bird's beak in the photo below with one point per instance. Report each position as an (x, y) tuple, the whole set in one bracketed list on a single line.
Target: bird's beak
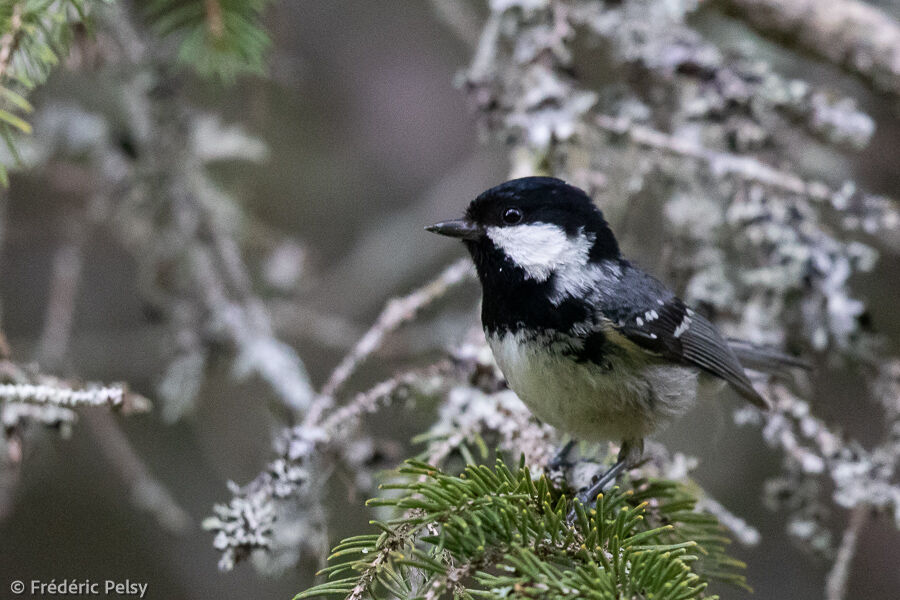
[(463, 229)]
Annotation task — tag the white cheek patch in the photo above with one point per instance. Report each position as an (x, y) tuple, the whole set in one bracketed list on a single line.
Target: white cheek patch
[(541, 248)]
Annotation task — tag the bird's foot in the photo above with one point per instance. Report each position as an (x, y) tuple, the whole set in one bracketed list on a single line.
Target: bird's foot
[(589, 496), (560, 460)]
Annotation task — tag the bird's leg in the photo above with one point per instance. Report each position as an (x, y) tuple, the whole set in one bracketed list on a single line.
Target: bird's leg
[(625, 457), (560, 460)]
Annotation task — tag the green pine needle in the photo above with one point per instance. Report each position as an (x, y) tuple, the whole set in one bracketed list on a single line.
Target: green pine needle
[(220, 39), (496, 533), (33, 35)]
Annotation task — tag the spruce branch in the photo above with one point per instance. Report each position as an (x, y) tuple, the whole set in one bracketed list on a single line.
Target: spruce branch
[(33, 36), (496, 532), (223, 39), (9, 43)]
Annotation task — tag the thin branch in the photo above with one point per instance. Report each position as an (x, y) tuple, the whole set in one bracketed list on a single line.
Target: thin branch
[(395, 313), (45, 395), (245, 523), (852, 34), (484, 59), (147, 492), (369, 401), (58, 317), (745, 533), (40, 389), (836, 581)]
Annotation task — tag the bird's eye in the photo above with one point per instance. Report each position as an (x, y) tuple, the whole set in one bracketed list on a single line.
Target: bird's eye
[(511, 216)]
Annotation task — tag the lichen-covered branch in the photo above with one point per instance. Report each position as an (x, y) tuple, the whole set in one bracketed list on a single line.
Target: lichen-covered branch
[(43, 395), (858, 209), (853, 34), (246, 523), (21, 386), (288, 490)]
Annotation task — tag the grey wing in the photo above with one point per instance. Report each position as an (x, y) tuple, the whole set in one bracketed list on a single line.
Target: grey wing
[(660, 323), (703, 346)]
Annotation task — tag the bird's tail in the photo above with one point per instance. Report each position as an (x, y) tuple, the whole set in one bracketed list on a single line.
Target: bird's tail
[(765, 358)]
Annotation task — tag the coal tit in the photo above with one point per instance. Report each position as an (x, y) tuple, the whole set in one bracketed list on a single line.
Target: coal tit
[(593, 345)]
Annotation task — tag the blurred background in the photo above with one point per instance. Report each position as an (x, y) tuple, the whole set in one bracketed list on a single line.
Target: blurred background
[(359, 135)]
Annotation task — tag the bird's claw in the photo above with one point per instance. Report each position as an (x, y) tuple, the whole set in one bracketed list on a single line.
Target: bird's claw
[(589, 496), (560, 461)]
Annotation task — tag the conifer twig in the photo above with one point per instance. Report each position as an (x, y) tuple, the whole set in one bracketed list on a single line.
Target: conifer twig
[(10, 40), (214, 17)]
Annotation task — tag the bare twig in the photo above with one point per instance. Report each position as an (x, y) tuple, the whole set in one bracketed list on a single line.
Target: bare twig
[(485, 52), (147, 492), (836, 581), (395, 313), (67, 264), (369, 401), (852, 34), (745, 533)]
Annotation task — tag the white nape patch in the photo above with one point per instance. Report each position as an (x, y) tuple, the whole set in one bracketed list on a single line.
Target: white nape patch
[(585, 280), (540, 249)]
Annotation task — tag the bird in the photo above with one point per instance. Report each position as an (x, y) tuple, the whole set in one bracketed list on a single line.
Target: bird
[(592, 344)]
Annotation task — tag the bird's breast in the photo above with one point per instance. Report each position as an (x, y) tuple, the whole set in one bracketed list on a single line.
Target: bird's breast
[(619, 398)]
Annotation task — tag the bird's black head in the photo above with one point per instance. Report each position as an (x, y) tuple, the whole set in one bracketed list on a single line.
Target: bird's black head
[(537, 225)]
